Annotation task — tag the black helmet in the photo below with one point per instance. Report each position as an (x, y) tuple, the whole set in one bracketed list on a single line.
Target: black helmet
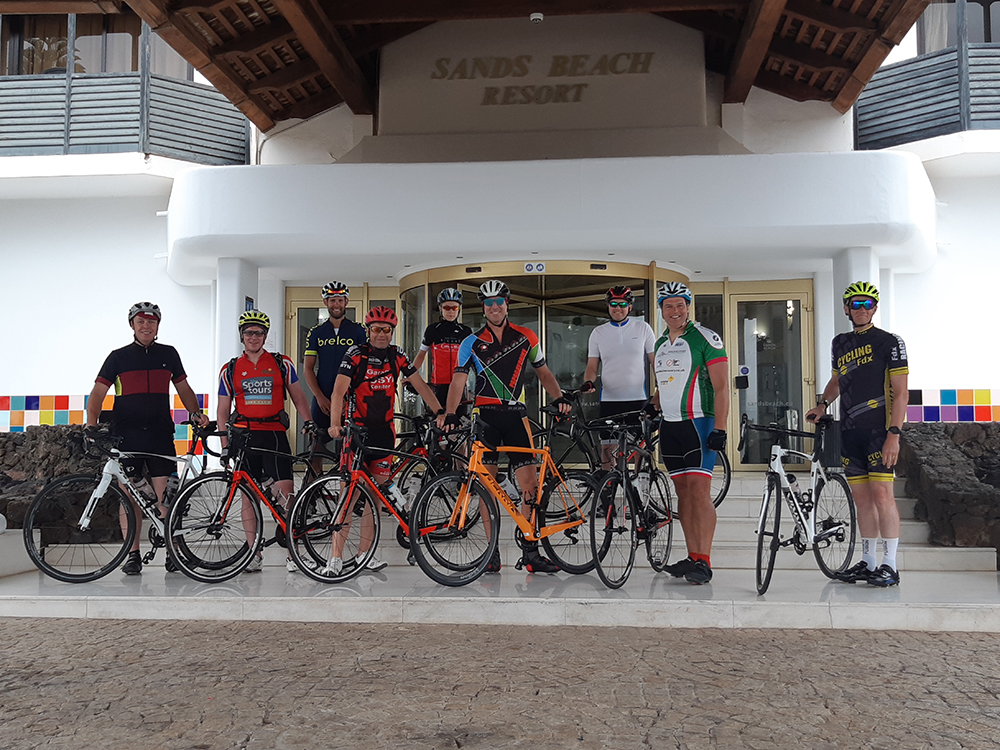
[(620, 293)]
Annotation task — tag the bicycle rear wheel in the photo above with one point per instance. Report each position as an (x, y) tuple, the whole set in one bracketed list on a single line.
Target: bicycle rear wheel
[(659, 522), (453, 556), (613, 534), (570, 549), (836, 525), (768, 539), (722, 476), (207, 533), (63, 549)]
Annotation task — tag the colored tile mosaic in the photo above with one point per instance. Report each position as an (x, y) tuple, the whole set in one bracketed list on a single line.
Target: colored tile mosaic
[(954, 405)]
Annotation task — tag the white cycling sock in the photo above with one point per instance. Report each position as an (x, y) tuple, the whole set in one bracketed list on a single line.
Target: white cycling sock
[(889, 552), (868, 552)]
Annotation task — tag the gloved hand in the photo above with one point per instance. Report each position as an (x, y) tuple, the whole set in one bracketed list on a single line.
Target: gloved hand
[(716, 440), (588, 387)]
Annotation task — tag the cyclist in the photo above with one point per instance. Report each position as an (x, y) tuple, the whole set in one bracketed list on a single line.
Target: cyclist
[(692, 378), (326, 345), (367, 384), (498, 353), (621, 347), (142, 373), (257, 384), (870, 377), (442, 340)]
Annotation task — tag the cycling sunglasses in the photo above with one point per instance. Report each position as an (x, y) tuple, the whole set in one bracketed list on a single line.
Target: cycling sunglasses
[(618, 304), (491, 301), (450, 308), (862, 304), (380, 329), (255, 333)]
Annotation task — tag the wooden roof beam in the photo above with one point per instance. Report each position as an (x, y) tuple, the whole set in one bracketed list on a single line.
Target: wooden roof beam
[(319, 37), (835, 19), (790, 88), (801, 54), (280, 80), (751, 48), (60, 7)]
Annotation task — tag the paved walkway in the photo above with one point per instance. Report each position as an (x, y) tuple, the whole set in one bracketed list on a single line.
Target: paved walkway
[(149, 684)]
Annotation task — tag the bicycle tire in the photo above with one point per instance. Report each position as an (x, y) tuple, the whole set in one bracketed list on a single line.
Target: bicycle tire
[(613, 531), (569, 549), (316, 523), (453, 557), (205, 550), (65, 552), (659, 526), (768, 533), (834, 508), (721, 479)]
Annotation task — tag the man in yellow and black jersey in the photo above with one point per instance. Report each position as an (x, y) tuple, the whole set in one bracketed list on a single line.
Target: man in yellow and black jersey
[(870, 377)]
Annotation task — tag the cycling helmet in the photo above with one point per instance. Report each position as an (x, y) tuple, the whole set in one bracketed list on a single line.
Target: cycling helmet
[(673, 289), (493, 288), (619, 292), (144, 308), (381, 314), (336, 289), (256, 318), (861, 289), (450, 295)]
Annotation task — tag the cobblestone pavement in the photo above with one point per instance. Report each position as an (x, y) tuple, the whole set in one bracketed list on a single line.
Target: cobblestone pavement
[(206, 685)]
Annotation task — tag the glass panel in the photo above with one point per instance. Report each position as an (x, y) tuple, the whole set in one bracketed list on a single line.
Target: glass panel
[(122, 53), (9, 44), (45, 46), (414, 323), (770, 354), (974, 15), (994, 18), (708, 311), (936, 28), (164, 61), (89, 44)]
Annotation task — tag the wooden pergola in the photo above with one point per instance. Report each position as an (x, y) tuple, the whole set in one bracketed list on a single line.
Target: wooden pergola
[(282, 59)]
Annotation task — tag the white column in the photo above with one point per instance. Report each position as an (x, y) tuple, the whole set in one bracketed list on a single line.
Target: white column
[(826, 309), (884, 318), (236, 279), (850, 265)]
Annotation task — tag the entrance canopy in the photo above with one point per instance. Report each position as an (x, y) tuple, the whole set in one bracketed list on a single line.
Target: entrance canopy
[(747, 216)]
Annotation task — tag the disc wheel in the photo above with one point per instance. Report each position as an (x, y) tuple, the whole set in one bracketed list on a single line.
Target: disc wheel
[(57, 542), (659, 524), (212, 532), (768, 539), (569, 503), (454, 554), (836, 525), (613, 534)]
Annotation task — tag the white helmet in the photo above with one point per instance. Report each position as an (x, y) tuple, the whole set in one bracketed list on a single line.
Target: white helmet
[(673, 289), (144, 308), (493, 288)]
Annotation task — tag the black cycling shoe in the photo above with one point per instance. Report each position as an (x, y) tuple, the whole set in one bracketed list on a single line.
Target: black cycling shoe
[(884, 576), (169, 565), (680, 568), (133, 565), (494, 564), (535, 563), (700, 573), (858, 572)]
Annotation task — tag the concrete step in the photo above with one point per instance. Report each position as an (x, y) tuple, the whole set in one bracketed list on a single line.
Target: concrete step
[(13, 558)]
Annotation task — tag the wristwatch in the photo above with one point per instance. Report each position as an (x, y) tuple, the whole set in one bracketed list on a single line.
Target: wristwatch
[(824, 402), (894, 430)]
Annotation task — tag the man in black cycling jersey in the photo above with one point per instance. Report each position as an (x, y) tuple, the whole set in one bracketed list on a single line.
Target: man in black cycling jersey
[(441, 342), (499, 353), (870, 377), (142, 373)]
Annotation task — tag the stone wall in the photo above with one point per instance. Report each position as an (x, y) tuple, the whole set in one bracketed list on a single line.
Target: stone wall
[(29, 459), (953, 471)]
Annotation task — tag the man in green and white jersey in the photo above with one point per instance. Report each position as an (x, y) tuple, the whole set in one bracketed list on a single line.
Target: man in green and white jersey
[(692, 374)]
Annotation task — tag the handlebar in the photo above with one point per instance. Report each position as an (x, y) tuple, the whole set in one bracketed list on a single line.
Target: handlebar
[(746, 425)]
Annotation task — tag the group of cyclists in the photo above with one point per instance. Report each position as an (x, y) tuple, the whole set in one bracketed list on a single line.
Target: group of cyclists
[(353, 372)]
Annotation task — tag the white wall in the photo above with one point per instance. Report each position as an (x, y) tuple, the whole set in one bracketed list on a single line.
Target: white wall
[(770, 124), (322, 139), (72, 269)]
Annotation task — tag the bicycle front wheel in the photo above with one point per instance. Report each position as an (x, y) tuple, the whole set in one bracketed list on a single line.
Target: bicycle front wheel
[(836, 525), (768, 539), (71, 548), (613, 535), (454, 555), (722, 476), (569, 503), (212, 537), (659, 522)]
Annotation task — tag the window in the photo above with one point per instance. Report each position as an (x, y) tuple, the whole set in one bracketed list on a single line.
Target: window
[(937, 27), (165, 61), (108, 43), (34, 45)]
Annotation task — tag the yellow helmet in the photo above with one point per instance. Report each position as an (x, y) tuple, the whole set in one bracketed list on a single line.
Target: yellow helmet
[(861, 289), (255, 317)]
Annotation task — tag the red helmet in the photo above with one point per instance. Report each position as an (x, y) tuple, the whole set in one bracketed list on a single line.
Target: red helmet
[(381, 314), (623, 293)]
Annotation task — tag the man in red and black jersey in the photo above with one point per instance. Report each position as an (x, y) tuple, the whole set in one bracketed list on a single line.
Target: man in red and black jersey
[(142, 373), (441, 341), (367, 384)]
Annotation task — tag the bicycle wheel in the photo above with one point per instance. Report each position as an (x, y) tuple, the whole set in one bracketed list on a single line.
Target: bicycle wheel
[(721, 478), (836, 525), (207, 534), (58, 543), (453, 556), (324, 522), (570, 549), (768, 539), (613, 534), (659, 524)]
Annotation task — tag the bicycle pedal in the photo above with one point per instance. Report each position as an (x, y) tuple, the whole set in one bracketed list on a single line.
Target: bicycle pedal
[(519, 565)]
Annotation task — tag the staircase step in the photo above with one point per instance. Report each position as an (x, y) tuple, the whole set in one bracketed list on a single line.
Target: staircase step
[(13, 558)]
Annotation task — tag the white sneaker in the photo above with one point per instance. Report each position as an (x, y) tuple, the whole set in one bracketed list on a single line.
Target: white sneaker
[(256, 565), (332, 568), (291, 567), (374, 564)]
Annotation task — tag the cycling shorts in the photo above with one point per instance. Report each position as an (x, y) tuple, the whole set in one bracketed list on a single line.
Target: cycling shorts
[(441, 391), (508, 427), (382, 436), (321, 419), (147, 441), (613, 408), (682, 446), (269, 465), (861, 454)]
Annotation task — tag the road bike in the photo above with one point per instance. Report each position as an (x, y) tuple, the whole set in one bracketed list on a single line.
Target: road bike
[(824, 518), (81, 527)]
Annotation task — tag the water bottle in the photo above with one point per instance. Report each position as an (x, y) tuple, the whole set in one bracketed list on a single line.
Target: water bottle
[(145, 490), (173, 482), (793, 484), (642, 484), (266, 486), (508, 486), (393, 491)]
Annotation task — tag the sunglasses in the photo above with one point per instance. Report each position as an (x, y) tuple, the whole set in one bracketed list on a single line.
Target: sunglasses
[(862, 304), (255, 334), (380, 329), (493, 301), (618, 304), (450, 308)]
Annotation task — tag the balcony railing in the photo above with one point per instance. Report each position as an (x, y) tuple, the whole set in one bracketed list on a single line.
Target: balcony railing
[(944, 92), (117, 112)]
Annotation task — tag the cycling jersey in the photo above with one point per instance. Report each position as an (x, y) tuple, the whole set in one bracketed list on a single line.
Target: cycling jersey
[(442, 340), (622, 349), (258, 389), (681, 366), (863, 362), (141, 376), (499, 363), (328, 345), (373, 373)]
